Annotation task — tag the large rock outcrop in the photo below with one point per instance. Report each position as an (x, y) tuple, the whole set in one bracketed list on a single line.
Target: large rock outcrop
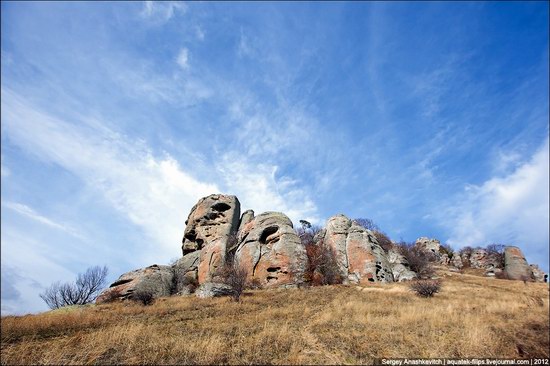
[(538, 273), (211, 223), (336, 234), (155, 279), (456, 260), (359, 258), (400, 267), (515, 265), (427, 244), (271, 251)]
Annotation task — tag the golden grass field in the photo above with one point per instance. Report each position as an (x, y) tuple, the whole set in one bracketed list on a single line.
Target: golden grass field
[(471, 317)]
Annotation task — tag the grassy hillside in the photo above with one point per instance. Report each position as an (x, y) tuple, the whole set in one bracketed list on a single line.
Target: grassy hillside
[(471, 317)]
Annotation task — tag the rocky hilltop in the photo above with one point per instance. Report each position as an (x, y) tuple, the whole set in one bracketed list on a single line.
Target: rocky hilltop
[(271, 252)]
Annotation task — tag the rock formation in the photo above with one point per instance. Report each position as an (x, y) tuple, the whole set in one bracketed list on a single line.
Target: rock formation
[(271, 251), (400, 267), (154, 279), (456, 260), (515, 265), (359, 258), (208, 228), (538, 274), (428, 244)]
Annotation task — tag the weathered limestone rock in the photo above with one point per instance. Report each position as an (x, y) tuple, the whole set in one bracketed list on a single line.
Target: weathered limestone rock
[(515, 265), (271, 251), (367, 261), (213, 289), (479, 258), (209, 225), (400, 267), (538, 274), (358, 256), (186, 273), (456, 260), (428, 244), (444, 259), (155, 279), (335, 238)]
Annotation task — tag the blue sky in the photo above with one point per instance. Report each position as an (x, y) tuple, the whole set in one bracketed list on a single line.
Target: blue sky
[(429, 118)]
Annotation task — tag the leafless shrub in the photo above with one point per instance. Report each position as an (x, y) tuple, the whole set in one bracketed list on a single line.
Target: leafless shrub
[(383, 240), (446, 249), (86, 288), (425, 288), (496, 251), (367, 224), (235, 277), (419, 260), (322, 267), (144, 295)]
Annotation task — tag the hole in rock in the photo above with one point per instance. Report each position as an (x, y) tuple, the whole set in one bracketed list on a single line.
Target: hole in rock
[(268, 231), (273, 269), (221, 207), (121, 282), (271, 278), (191, 236)]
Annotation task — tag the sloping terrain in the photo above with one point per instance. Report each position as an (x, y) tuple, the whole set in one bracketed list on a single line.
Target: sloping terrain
[(471, 317)]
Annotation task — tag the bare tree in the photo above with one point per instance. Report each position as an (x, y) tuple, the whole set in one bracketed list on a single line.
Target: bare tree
[(419, 260), (234, 276), (367, 224), (86, 288)]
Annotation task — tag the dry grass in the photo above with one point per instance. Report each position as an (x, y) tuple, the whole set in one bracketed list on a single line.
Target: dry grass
[(471, 317)]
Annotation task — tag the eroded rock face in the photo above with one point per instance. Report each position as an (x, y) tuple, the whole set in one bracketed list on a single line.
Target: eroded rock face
[(428, 244), (515, 265), (456, 260), (400, 267), (479, 258), (186, 273), (213, 289), (358, 256), (367, 261), (209, 225), (538, 274), (156, 279), (271, 251), (336, 233)]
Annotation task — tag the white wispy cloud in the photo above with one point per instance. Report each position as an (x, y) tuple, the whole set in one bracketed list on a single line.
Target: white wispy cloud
[(259, 188), (32, 214), (513, 209), (160, 12), (183, 58), (154, 193)]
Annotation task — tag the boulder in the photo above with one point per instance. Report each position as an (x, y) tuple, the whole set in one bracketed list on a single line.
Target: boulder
[(367, 261), (358, 256), (456, 260), (428, 244), (400, 267), (155, 279), (208, 228), (213, 289), (186, 273), (515, 265), (336, 233), (479, 258), (271, 251), (444, 259), (538, 274)]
